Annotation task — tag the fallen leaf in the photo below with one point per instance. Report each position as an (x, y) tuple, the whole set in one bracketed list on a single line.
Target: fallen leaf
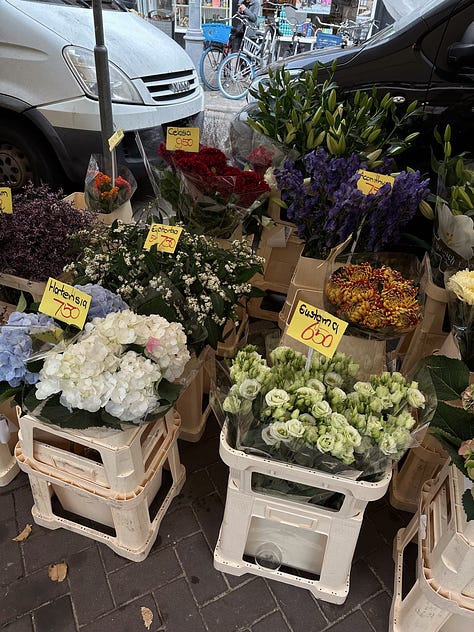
[(57, 572), (21, 537), (147, 616)]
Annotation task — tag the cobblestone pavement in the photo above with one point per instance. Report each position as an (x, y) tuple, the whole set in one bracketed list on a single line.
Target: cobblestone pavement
[(177, 581)]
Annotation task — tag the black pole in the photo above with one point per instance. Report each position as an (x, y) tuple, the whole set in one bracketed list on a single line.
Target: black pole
[(103, 85)]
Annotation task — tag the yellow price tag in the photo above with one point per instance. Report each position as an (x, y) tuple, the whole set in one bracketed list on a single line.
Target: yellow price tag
[(116, 138), (6, 200), (165, 237), (65, 303), (185, 138), (316, 328), (370, 182)]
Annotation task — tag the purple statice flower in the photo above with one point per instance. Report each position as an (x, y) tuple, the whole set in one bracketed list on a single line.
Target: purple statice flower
[(16, 347), (326, 206), (103, 301)]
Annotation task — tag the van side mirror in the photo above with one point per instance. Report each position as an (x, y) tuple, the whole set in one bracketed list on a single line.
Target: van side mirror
[(461, 54)]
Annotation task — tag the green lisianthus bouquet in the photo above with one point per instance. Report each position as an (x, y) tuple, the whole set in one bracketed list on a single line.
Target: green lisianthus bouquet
[(316, 413)]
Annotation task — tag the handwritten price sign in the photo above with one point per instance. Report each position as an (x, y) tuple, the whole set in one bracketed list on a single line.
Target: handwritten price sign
[(6, 200), (65, 303), (184, 138), (316, 329), (165, 237), (370, 182)]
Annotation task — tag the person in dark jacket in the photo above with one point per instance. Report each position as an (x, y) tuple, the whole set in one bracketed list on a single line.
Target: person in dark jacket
[(249, 10)]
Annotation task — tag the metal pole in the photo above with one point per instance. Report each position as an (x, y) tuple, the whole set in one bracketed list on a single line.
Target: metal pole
[(103, 85)]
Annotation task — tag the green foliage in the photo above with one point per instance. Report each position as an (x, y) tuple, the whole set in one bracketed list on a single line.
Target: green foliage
[(304, 113), (455, 176)]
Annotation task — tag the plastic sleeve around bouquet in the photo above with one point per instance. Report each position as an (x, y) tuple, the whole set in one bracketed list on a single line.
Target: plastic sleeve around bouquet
[(105, 194), (218, 206), (319, 417)]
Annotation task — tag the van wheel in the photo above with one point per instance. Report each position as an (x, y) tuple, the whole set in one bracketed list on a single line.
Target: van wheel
[(23, 160)]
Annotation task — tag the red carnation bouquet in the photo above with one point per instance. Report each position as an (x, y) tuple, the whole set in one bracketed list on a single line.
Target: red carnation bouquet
[(104, 194), (214, 197)]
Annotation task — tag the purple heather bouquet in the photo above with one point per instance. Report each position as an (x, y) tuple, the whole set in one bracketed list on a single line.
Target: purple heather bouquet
[(327, 207)]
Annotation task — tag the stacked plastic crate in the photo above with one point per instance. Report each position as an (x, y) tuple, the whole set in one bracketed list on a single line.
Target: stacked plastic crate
[(8, 437), (286, 538), (442, 597), (102, 483)]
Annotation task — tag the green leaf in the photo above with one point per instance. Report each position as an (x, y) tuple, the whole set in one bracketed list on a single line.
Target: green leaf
[(454, 421), (168, 392), (450, 376), (157, 305)]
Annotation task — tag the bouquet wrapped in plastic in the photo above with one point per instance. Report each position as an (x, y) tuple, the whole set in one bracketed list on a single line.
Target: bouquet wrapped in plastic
[(103, 193), (316, 413), (208, 195)]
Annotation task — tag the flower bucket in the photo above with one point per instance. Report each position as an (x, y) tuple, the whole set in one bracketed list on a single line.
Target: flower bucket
[(191, 404), (124, 213)]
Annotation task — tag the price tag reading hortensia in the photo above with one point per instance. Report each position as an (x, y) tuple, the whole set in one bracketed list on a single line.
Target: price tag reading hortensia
[(165, 237), (64, 302), (316, 329), (185, 138), (6, 200), (370, 182)]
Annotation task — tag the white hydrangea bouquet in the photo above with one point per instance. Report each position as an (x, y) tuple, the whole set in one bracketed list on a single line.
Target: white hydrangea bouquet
[(318, 416), (121, 368)]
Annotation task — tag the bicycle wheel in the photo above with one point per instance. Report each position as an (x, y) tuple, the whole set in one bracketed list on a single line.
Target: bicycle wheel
[(209, 65), (268, 48), (235, 75)]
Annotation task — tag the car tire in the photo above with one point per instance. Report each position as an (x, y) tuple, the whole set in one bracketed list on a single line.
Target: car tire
[(24, 157)]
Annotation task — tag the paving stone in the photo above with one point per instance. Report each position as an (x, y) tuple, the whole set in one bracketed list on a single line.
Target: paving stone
[(363, 585), (197, 485), (20, 480), (20, 625), (11, 566), (382, 564), (274, 623), (207, 454), (388, 521), (127, 618), (239, 608), (7, 507), (23, 504), (177, 525), (377, 611), (177, 608), (355, 622), (369, 539), (89, 586), (28, 593), (300, 608), (140, 578), (197, 561), (219, 473), (49, 546), (209, 512), (110, 559), (56, 616)]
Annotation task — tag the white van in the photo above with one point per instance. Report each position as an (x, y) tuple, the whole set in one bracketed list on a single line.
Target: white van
[(49, 111)]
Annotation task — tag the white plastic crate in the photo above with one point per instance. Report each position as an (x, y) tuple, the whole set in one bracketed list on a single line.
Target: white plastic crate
[(192, 405), (423, 609), (447, 539), (289, 540), (122, 522), (354, 495), (103, 460), (8, 465)]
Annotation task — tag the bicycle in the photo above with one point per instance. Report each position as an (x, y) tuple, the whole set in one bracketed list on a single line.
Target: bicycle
[(218, 38), (237, 70)]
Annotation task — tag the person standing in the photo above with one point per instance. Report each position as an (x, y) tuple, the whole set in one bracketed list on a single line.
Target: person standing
[(249, 10)]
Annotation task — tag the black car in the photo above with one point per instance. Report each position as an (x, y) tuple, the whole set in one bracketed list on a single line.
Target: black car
[(427, 55)]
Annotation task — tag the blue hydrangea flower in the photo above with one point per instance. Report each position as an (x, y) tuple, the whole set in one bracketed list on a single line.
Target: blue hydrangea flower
[(103, 301), (16, 347)]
